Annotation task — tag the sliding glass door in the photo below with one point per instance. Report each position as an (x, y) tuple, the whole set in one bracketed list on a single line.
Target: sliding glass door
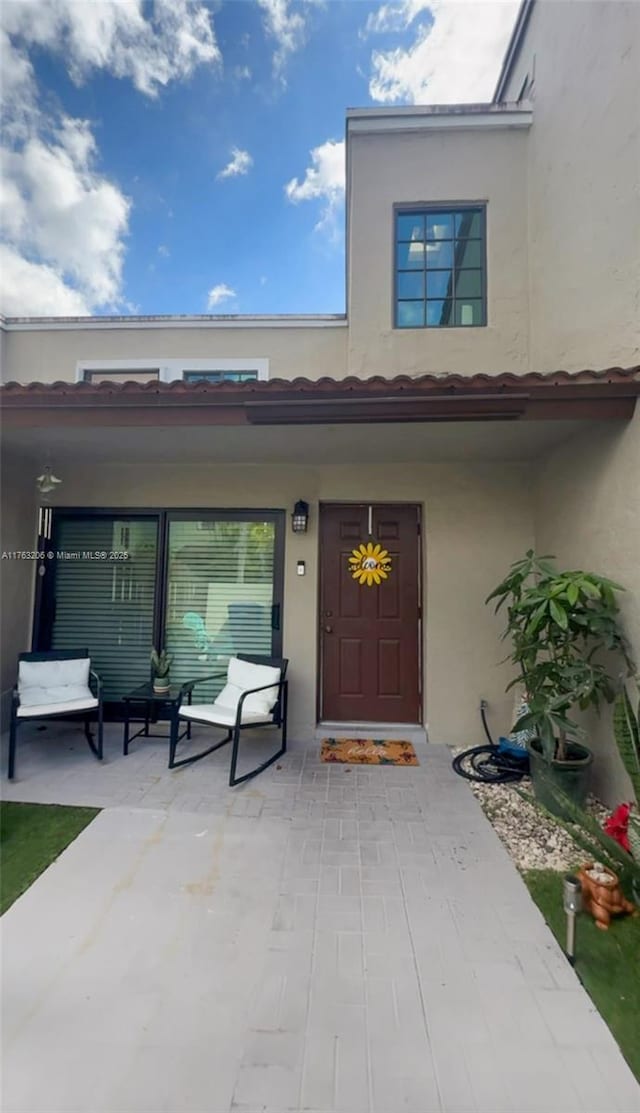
[(204, 584), (106, 603), (220, 593)]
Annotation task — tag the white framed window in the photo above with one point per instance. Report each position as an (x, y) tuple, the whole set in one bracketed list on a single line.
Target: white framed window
[(117, 370), (168, 370), (216, 370)]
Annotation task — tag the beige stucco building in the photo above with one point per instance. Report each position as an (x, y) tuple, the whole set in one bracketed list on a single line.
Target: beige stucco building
[(489, 247)]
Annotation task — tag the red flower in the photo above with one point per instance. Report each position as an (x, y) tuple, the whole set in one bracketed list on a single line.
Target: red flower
[(617, 824)]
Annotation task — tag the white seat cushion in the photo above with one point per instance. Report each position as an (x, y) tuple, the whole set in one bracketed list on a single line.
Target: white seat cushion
[(220, 715), (242, 676), (58, 708)]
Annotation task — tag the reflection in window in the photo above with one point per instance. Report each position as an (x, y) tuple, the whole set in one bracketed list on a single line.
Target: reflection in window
[(219, 376), (440, 268), (219, 594)]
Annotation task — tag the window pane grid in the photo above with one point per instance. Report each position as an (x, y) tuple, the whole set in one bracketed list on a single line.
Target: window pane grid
[(440, 275), (219, 376)]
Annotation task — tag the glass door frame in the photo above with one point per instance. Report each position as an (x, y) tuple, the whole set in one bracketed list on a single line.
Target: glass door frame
[(278, 517), (43, 615)]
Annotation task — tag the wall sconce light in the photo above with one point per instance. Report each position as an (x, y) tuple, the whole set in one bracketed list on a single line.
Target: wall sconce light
[(300, 517)]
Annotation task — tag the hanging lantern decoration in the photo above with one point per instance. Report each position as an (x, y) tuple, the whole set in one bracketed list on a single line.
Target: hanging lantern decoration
[(47, 482), (370, 564)]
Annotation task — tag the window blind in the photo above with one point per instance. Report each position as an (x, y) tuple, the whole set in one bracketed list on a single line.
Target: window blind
[(104, 603), (219, 595)]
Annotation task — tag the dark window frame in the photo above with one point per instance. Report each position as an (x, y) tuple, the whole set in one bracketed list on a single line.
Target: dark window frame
[(424, 210), (220, 375), (44, 599)]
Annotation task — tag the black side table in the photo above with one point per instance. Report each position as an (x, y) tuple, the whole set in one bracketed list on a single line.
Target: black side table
[(164, 707)]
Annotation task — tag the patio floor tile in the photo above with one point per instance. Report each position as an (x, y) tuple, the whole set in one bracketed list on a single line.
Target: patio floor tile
[(313, 941)]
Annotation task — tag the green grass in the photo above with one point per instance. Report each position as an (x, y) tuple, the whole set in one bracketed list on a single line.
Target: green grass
[(32, 837), (606, 961)]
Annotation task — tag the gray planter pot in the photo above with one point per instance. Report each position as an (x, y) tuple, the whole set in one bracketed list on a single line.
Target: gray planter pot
[(161, 684), (570, 777)]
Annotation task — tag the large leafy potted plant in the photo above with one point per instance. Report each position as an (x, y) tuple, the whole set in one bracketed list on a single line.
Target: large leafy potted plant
[(563, 627)]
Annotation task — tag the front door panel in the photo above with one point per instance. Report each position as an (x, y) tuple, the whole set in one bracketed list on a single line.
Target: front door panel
[(370, 634)]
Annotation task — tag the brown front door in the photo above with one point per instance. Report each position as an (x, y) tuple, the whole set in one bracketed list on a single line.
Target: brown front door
[(370, 634)]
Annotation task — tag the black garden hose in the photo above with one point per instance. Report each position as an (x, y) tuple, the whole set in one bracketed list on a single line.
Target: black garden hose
[(489, 764), (483, 716)]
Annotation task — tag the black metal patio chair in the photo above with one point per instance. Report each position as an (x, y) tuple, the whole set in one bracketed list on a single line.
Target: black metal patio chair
[(255, 695), (58, 683)]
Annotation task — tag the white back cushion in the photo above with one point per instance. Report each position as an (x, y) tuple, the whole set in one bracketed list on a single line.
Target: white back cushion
[(241, 677), (43, 682), (53, 674)]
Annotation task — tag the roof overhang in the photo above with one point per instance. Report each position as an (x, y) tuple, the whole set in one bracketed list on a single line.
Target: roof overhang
[(588, 395), (175, 321), (437, 117)]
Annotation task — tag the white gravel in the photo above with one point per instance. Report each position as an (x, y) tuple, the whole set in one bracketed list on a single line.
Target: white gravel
[(531, 837)]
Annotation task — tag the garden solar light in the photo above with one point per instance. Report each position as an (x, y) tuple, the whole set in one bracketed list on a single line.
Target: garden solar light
[(572, 901)]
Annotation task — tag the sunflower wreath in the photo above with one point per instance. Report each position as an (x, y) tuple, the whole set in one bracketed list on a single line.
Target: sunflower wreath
[(369, 564)]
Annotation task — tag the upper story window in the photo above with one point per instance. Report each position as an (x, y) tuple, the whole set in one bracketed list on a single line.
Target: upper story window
[(118, 374), (168, 370), (440, 267), (219, 376)]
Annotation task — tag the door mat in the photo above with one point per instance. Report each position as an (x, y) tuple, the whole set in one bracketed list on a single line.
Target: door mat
[(368, 751)]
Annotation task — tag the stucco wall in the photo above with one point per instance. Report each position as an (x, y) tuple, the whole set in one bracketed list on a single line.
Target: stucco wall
[(583, 167), (477, 519), (18, 528), (587, 512), (45, 355), (429, 167), (563, 207)]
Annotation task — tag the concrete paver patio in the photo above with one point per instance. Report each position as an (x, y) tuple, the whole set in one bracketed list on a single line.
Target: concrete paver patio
[(325, 938)]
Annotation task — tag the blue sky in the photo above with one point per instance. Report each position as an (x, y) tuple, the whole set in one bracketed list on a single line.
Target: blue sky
[(182, 157)]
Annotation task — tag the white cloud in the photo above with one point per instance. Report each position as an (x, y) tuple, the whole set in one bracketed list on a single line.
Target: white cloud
[(58, 212), (117, 36), (36, 290), (64, 223), (18, 86), (323, 181), (455, 56), (240, 163), (60, 209), (396, 17), (218, 294), (163, 250), (242, 73), (287, 27)]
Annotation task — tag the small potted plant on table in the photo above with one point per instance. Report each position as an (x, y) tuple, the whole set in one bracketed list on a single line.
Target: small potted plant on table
[(562, 624), (160, 665)]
